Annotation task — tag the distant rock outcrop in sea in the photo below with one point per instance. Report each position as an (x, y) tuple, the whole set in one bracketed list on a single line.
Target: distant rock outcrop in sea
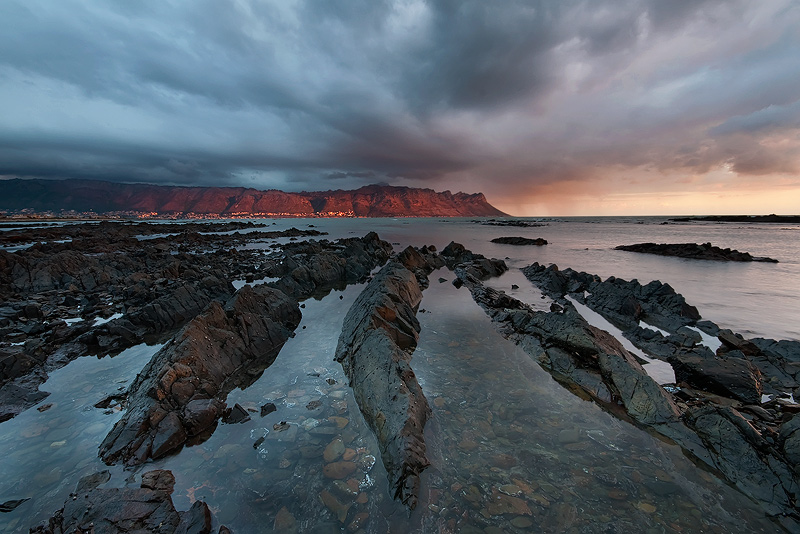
[(780, 219), (520, 241), (705, 251), (108, 197)]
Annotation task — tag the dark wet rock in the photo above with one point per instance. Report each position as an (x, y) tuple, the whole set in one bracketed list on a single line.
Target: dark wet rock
[(156, 285), (511, 222), (685, 337), (180, 393), (100, 232), (625, 303), (197, 519), (779, 219), (705, 251), (14, 362), (743, 456), (379, 335), (170, 311), (786, 350), (421, 261), (790, 442), (11, 505), (520, 241), (568, 346), (90, 482), (235, 415), (777, 360), (746, 446), (268, 408), (550, 279), (159, 480), (20, 394), (110, 400), (730, 377), (731, 341), (622, 302), (313, 268), (128, 510), (459, 259)]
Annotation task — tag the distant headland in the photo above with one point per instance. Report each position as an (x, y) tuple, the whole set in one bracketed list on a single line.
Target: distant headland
[(86, 197), (785, 219)]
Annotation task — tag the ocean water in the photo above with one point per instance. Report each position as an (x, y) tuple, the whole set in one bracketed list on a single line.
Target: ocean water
[(754, 299), (511, 449)]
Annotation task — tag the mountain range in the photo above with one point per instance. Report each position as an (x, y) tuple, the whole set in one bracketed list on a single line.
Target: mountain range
[(38, 195)]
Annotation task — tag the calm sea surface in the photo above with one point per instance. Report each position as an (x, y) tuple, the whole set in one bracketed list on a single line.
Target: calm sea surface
[(511, 449)]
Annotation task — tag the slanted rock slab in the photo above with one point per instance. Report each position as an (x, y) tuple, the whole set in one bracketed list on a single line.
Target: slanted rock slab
[(704, 251), (379, 334), (181, 392)]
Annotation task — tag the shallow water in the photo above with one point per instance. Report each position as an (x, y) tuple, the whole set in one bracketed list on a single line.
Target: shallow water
[(248, 483), (511, 449), (660, 371), (503, 427), (46, 453)]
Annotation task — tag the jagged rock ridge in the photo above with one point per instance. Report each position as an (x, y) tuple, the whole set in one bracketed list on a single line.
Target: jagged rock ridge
[(368, 201)]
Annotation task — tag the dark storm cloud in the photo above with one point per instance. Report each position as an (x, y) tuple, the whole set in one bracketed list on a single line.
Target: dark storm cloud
[(317, 94)]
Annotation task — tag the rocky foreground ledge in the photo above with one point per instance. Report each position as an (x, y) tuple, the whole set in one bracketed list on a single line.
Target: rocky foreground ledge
[(147, 508), (180, 394), (714, 412), (705, 251)]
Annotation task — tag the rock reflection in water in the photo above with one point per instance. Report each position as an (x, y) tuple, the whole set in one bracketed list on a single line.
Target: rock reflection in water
[(511, 449), (46, 451)]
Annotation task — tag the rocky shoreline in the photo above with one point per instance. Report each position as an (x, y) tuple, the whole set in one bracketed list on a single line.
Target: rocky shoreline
[(704, 251), (110, 286), (147, 508), (106, 290), (714, 412)]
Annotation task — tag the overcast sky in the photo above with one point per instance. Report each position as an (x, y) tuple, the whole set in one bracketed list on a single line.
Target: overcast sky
[(548, 107)]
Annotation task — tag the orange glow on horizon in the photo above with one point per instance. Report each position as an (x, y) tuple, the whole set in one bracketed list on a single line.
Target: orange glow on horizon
[(693, 203), (715, 193)]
